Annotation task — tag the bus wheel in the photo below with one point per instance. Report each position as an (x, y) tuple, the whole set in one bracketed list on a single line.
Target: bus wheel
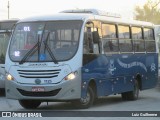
[(29, 104), (86, 102), (132, 95), (124, 96)]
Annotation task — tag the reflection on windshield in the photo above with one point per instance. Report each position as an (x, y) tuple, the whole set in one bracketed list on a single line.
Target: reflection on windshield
[(57, 39)]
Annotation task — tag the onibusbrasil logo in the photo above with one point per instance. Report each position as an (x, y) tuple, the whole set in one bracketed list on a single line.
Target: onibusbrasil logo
[(21, 114)]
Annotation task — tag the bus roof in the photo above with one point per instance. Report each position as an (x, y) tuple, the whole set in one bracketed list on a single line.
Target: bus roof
[(59, 16), (86, 17), (124, 21)]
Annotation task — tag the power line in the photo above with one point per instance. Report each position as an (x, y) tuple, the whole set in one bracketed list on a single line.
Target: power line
[(8, 9)]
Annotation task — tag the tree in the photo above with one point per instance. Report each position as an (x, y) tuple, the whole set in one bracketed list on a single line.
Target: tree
[(149, 12)]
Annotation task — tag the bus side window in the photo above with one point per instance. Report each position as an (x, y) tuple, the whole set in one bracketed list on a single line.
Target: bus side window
[(109, 38), (149, 40), (125, 42), (138, 41)]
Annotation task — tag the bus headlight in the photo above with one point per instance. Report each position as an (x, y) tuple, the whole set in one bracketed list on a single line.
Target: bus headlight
[(9, 77), (71, 76)]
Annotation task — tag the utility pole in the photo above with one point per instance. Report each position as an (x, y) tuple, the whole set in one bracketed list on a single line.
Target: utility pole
[(8, 9)]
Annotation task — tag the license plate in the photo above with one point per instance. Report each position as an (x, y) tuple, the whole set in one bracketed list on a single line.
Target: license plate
[(37, 89)]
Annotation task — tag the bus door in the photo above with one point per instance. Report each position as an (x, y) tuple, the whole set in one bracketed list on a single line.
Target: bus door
[(91, 54)]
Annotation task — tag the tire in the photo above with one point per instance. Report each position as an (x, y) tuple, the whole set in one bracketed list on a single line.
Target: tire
[(29, 104), (132, 95), (124, 96), (84, 103), (2, 92)]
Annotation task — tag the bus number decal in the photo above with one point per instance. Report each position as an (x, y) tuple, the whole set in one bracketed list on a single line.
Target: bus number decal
[(26, 28)]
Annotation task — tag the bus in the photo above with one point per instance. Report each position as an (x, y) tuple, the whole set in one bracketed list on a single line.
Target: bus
[(5, 32), (79, 56)]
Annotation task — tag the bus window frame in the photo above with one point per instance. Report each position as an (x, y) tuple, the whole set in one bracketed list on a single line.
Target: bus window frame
[(133, 40), (93, 28), (153, 33), (116, 38), (130, 38)]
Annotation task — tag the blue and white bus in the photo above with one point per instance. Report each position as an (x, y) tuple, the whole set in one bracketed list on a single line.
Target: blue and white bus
[(79, 56), (5, 33)]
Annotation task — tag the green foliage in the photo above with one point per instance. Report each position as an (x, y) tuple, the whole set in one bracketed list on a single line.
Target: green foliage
[(150, 12)]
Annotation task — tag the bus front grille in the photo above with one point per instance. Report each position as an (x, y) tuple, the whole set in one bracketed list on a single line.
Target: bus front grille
[(39, 73), (39, 94)]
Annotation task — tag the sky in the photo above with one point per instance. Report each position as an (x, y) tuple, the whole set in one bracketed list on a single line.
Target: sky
[(26, 8)]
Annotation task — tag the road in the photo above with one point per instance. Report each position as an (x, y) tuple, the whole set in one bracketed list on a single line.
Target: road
[(149, 100)]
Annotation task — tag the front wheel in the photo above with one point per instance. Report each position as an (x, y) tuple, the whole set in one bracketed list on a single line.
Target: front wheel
[(86, 102), (29, 104)]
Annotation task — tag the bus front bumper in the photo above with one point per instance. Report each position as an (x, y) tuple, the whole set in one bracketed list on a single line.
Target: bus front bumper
[(64, 91)]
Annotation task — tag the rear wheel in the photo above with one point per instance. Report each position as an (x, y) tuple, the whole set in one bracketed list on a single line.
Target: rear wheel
[(2, 92), (132, 95), (29, 104), (85, 102), (124, 96)]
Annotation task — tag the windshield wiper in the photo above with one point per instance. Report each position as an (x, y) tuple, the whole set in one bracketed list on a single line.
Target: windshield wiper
[(30, 52), (49, 50), (35, 48)]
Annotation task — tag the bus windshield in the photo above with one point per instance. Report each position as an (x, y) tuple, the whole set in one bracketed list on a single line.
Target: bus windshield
[(4, 39), (41, 41)]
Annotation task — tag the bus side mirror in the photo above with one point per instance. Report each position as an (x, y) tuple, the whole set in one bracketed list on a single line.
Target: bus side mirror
[(96, 37)]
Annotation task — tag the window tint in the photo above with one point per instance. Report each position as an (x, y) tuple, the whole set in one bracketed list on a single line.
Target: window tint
[(110, 45), (150, 46), (136, 33), (64, 34), (108, 31), (148, 34), (109, 38), (62, 38), (138, 42), (149, 40), (123, 31), (139, 45), (125, 43)]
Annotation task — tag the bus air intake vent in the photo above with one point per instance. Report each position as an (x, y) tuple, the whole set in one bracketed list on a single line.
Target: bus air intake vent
[(39, 94), (38, 73)]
